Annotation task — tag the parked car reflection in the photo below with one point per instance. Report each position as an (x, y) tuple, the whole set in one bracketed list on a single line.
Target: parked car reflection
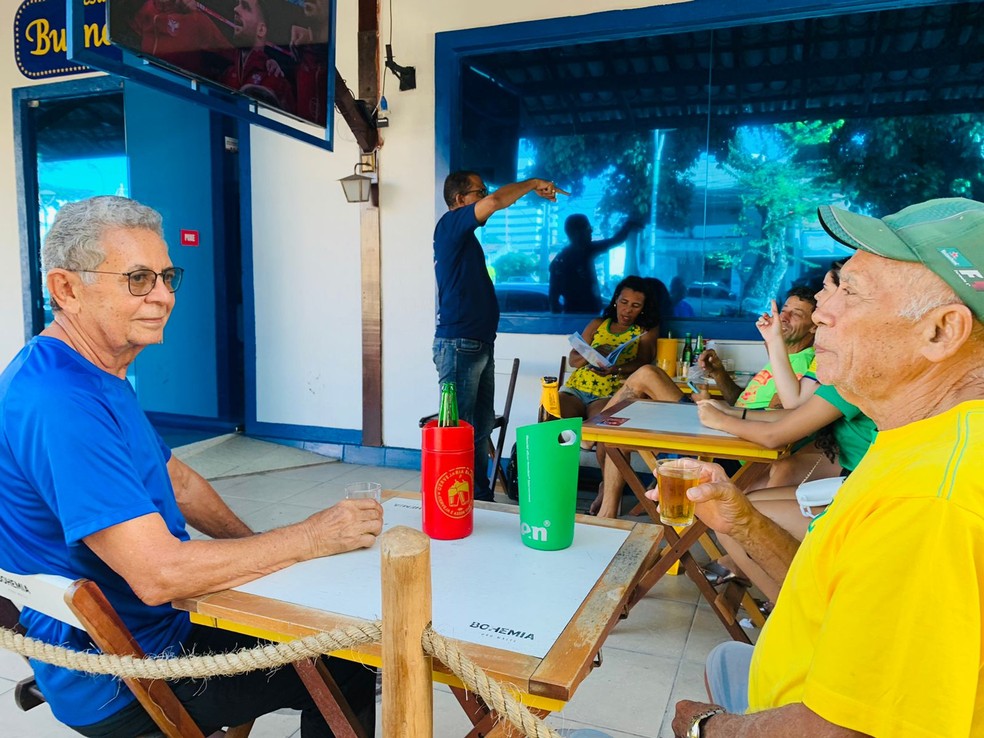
[(523, 297)]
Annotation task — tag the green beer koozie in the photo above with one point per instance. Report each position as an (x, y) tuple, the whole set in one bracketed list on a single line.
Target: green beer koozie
[(548, 459)]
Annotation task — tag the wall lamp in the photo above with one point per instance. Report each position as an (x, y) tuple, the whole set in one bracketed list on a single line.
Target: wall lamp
[(361, 188)]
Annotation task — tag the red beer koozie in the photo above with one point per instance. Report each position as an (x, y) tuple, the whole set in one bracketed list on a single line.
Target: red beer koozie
[(447, 480)]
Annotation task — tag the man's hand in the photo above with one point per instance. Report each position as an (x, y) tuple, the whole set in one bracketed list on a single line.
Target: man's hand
[(548, 190), (710, 362), (720, 504), (686, 711), (769, 326), (300, 36), (711, 413), (349, 525)]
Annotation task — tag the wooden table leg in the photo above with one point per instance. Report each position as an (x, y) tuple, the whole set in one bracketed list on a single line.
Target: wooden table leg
[(505, 729), (329, 698), (679, 550), (676, 548), (473, 705), (621, 461)]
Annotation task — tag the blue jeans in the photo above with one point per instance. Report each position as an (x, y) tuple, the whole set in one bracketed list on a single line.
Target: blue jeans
[(471, 366), (726, 674)]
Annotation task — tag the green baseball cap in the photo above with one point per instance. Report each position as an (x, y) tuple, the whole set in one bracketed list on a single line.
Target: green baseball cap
[(946, 236)]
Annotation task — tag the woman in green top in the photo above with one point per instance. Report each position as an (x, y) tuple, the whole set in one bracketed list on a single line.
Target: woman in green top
[(844, 434)]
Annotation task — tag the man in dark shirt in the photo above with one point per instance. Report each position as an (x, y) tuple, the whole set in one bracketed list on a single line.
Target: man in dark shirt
[(467, 311), (573, 284)]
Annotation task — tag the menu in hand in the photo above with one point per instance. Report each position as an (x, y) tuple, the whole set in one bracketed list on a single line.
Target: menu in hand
[(594, 357)]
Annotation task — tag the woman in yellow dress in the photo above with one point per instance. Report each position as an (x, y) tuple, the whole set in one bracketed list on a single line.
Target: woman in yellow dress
[(631, 315)]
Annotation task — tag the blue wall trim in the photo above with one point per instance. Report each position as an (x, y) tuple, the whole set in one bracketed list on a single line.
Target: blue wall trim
[(314, 433), (249, 301), (190, 422), (397, 458)]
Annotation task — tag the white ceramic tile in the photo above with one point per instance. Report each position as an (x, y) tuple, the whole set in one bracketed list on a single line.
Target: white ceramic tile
[(625, 678), (706, 633), (653, 627), (267, 488), (389, 478), (320, 472), (280, 724), (36, 723), (276, 516)]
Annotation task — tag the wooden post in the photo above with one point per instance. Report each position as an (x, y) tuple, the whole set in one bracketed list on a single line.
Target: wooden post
[(408, 694)]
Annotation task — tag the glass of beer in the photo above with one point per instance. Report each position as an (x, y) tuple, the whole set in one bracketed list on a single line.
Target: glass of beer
[(675, 477)]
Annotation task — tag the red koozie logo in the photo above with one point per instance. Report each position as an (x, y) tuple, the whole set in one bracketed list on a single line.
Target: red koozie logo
[(453, 492)]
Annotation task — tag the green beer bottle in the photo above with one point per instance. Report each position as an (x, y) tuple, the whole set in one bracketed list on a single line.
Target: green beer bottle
[(447, 414)]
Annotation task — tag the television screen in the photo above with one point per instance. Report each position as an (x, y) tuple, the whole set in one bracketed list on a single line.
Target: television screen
[(276, 52)]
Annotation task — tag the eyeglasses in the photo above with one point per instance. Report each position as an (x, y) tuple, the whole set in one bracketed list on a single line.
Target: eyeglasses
[(142, 281), (484, 192)]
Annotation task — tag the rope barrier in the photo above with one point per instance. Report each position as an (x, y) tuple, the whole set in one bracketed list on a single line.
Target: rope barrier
[(275, 655)]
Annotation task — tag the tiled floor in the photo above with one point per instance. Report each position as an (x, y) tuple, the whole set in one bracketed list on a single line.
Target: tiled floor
[(651, 660)]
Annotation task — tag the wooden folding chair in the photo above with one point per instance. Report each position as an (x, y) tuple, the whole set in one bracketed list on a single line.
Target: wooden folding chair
[(502, 424), (541, 414), (82, 604)]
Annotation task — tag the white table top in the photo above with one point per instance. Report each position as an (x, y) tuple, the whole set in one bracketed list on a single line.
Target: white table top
[(488, 588), (669, 417)]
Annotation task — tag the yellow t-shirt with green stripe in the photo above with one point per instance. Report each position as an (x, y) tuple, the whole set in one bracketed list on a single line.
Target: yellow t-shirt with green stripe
[(879, 625)]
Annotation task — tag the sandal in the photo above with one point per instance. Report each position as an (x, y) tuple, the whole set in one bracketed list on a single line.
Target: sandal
[(764, 607), (718, 575)]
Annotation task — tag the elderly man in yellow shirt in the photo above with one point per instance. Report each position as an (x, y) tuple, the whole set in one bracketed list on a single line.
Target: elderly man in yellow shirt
[(851, 648)]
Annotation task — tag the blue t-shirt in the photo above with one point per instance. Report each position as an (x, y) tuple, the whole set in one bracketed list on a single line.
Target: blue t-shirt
[(78, 455), (466, 303)]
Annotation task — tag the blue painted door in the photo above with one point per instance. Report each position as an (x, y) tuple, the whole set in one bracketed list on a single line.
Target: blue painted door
[(178, 165)]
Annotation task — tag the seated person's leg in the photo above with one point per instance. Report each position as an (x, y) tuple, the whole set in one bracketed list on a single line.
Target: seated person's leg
[(647, 382), (653, 383), (740, 563), (596, 406), (612, 485), (223, 701), (571, 406), (780, 505), (794, 469), (726, 675)]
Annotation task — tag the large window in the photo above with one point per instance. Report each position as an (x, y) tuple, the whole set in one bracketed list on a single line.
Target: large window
[(721, 144), (80, 152)]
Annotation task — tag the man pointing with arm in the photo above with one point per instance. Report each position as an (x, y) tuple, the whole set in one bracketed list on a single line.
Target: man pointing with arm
[(467, 309)]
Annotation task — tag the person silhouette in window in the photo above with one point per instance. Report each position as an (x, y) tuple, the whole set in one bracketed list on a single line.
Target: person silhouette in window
[(573, 284)]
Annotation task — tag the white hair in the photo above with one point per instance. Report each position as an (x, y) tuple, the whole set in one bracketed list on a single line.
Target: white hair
[(73, 241)]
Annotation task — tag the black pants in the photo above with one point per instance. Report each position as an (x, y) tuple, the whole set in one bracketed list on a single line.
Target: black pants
[(220, 702)]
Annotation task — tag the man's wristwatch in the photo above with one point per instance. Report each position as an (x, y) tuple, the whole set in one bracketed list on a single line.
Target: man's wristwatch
[(697, 726)]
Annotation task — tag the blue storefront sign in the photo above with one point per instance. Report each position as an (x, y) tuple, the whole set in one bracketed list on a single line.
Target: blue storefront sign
[(41, 39)]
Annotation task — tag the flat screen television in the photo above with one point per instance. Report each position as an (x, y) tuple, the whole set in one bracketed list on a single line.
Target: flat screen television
[(275, 52)]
